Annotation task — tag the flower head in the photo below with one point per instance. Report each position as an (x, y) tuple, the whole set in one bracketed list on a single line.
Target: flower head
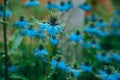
[(50, 5), (21, 23), (85, 7), (101, 23), (29, 32), (75, 36), (32, 3), (54, 40), (8, 13), (41, 51)]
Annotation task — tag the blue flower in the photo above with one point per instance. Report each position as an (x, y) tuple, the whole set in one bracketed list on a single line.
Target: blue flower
[(91, 29), (41, 52), (85, 7), (29, 32), (7, 15), (107, 59), (75, 37), (76, 72), (12, 69), (85, 68), (21, 23), (102, 33), (53, 63), (114, 22), (117, 32), (109, 77), (100, 56), (68, 69), (52, 30), (93, 44), (32, 3), (61, 65), (116, 56), (44, 26), (93, 18), (117, 12), (40, 34), (102, 72), (53, 40), (101, 24), (50, 5), (63, 7)]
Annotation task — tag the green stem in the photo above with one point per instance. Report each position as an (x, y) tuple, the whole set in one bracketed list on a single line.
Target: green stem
[(30, 46), (5, 39), (77, 54)]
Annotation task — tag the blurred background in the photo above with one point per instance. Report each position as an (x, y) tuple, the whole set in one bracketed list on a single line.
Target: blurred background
[(83, 43)]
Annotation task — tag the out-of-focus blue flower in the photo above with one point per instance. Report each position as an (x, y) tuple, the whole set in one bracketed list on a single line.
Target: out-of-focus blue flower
[(63, 7), (116, 56), (41, 52), (69, 5), (85, 68), (40, 34), (50, 5), (76, 72), (102, 33), (53, 40), (75, 37), (92, 29), (117, 12), (68, 69), (52, 30), (85, 7), (29, 32), (32, 3), (109, 77), (117, 33), (102, 72), (21, 23), (103, 57), (8, 13), (93, 44), (118, 76), (93, 18), (61, 65), (101, 24), (107, 58), (53, 63), (44, 26), (12, 68), (100, 56), (115, 22)]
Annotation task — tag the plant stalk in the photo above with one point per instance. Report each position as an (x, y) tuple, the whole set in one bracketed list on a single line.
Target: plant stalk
[(5, 39)]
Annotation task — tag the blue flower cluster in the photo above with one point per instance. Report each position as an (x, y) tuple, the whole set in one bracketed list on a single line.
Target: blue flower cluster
[(62, 7), (32, 3), (109, 74), (108, 58)]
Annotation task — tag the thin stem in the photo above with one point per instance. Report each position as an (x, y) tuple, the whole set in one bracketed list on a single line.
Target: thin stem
[(5, 40), (30, 46)]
